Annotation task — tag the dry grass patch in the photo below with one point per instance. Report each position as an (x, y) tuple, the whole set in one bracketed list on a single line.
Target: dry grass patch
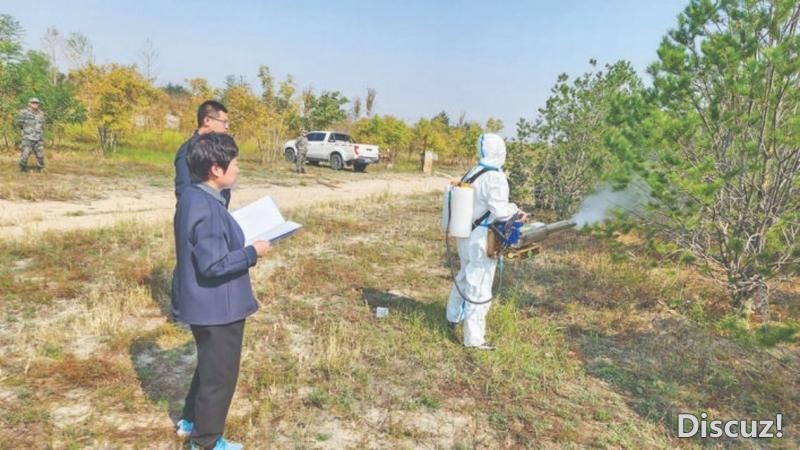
[(596, 347), (77, 176), (654, 332)]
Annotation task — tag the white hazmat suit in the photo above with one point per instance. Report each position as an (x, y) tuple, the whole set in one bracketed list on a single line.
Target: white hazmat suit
[(477, 271)]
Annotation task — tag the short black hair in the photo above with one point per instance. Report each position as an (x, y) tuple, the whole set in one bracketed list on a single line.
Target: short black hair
[(207, 150), (209, 108)]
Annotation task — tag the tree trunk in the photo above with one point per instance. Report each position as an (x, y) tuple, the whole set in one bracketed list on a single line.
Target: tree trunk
[(750, 293), (102, 134), (108, 139)]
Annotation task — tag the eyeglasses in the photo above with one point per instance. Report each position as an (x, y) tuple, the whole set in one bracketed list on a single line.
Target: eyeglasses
[(225, 122)]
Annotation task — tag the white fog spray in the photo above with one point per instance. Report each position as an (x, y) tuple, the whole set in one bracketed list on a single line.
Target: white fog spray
[(599, 205)]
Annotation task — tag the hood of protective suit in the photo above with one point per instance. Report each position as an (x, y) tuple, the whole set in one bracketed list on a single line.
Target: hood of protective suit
[(491, 150)]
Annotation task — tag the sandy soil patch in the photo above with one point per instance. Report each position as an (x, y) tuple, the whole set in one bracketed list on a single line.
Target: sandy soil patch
[(149, 204)]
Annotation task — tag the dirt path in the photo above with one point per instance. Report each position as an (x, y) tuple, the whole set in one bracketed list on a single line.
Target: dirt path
[(149, 204)]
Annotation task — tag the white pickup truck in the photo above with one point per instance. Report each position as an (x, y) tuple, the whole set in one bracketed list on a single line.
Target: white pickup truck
[(335, 148)]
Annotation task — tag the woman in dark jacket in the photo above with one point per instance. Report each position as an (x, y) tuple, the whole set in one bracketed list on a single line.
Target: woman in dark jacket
[(212, 287)]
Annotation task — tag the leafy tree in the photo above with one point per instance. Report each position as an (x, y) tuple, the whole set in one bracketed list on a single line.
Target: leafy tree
[(442, 118), (521, 165), (247, 112), (10, 50), (286, 91), (570, 136), (429, 135), (389, 133), (307, 101), (325, 110), (267, 85), (10, 39), (718, 140), (282, 114), (494, 125), (466, 136), (113, 94), (176, 90), (178, 101), (451, 143), (200, 89), (266, 120), (35, 76), (287, 107)]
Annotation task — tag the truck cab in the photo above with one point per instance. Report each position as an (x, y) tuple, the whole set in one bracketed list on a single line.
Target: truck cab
[(336, 149)]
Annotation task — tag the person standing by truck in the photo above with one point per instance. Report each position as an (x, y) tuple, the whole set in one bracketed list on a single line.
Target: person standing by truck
[(302, 149)]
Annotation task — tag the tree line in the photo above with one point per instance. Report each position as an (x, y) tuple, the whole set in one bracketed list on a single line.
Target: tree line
[(113, 100)]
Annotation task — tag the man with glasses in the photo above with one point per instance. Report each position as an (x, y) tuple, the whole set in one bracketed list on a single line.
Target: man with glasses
[(31, 121), (212, 117)]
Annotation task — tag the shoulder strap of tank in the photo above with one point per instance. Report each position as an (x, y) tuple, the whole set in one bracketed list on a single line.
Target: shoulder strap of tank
[(479, 220), (471, 180), (477, 174)]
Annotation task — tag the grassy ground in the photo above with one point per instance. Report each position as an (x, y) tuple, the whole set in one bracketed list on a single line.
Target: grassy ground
[(600, 344)]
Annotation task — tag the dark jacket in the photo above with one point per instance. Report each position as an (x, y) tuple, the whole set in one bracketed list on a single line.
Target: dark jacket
[(183, 178), (212, 285)]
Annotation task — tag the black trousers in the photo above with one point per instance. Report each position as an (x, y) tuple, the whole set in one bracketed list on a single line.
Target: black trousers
[(219, 351)]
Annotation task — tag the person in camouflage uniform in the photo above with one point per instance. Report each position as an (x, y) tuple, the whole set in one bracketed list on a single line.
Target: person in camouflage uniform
[(31, 121), (301, 145)]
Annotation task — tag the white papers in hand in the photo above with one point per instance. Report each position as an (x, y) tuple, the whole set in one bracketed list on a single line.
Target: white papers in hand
[(261, 220)]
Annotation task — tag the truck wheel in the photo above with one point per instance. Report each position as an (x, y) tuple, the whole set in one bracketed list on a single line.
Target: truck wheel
[(289, 154), (359, 167), (336, 162)]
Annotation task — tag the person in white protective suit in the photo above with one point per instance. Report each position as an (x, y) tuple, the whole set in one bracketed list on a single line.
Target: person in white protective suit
[(476, 275)]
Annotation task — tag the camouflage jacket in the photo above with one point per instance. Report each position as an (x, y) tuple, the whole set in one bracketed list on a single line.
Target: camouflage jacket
[(301, 144), (31, 123)]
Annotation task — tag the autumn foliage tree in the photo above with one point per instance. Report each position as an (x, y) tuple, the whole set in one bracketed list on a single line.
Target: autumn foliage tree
[(283, 113), (389, 133), (248, 113), (113, 94)]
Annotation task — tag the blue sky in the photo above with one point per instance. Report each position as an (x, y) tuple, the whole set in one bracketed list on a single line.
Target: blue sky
[(485, 59)]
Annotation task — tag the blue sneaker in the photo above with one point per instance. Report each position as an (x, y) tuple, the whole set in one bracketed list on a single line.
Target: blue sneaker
[(222, 444), (184, 428)]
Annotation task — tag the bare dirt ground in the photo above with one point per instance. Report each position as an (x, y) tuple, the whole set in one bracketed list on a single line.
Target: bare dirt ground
[(153, 204)]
